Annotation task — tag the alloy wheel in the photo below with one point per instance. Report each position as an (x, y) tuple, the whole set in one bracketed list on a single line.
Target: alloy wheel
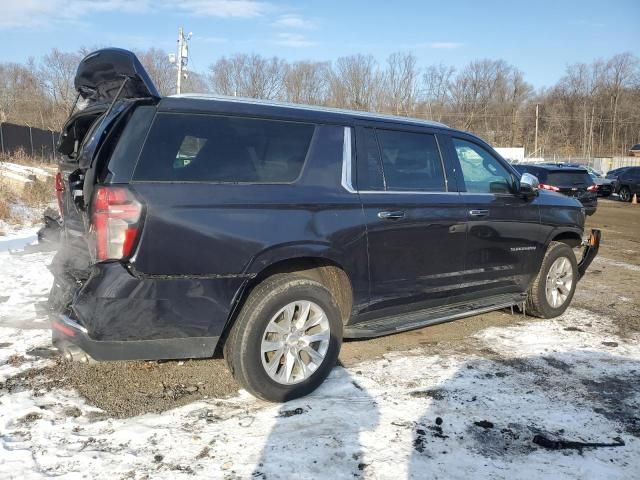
[(559, 282), (295, 342)]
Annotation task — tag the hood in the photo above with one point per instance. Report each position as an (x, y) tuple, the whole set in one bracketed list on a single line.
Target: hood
[(101, 73)]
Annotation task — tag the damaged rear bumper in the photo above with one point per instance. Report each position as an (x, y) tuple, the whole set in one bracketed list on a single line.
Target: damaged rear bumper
[(116, 315), (591, 247), (69, 336)]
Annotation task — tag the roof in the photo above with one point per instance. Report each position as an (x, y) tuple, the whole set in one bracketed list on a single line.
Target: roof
[(203, 100)]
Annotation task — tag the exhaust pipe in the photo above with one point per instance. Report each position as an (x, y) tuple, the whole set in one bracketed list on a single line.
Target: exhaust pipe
[(73, 353)]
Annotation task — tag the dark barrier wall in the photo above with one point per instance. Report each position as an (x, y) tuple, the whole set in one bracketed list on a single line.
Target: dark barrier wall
[(33, 141)]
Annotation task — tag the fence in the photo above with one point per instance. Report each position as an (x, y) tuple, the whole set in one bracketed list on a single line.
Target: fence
[(606, 164), (33, 141)]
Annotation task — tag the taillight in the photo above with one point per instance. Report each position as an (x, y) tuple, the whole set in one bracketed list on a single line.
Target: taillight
[(592, 188), (117, 217), (59, 191), (549, 187)]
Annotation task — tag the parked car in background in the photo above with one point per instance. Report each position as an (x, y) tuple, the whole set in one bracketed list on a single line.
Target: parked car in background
[(635, 150), (627, 183), (593, 172), (276, 230), (612, 174), (605, 185), (570, 181)]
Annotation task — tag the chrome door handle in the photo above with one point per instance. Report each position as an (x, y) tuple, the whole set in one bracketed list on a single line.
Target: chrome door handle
[(395, 215), (479, 213)]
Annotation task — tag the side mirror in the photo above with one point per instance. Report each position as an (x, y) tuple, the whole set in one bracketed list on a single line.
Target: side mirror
[(529, 185)]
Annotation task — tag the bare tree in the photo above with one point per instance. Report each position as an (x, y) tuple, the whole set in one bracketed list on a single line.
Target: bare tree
[(57, 72), (592, 110), (354, 81), (163, 74), (307, 82), (248, 76), (400, 83), (436, 86), (621, 72)]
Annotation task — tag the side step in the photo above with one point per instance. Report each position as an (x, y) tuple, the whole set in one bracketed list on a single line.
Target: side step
[(422, 318)]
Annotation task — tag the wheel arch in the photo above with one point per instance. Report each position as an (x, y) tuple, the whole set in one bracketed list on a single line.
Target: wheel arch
[(573, 238), (322, 268)]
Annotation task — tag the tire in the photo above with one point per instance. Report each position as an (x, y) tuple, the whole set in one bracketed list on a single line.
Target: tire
[(625, 194), (243, 349), (538, 303)]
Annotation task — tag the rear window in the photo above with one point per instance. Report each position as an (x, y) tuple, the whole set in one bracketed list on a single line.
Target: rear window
[(539, 173), (569, 179), (208, 148)]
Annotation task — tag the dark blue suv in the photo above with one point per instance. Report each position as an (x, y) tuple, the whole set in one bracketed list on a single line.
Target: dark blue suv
[(274, 231)]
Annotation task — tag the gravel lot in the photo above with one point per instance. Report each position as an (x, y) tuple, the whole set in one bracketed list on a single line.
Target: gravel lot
[(460, 398)]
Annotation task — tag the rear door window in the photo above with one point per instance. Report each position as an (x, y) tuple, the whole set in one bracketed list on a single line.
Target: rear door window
[(208, 148)]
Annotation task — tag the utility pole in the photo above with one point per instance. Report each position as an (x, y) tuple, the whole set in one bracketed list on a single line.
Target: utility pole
[(181, 58), (535, 144)]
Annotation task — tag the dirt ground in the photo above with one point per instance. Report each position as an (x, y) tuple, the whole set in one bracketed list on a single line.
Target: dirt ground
[(124, 389)]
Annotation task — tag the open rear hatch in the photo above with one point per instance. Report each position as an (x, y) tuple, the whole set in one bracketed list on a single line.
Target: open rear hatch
[(103, 77), (109, 84)]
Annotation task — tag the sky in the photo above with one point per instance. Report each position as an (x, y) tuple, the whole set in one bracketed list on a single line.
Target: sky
[(540, 38)]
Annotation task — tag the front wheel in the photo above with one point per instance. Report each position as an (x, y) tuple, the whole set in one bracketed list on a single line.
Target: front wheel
[(625, 194), (552, 290), (286, 338)]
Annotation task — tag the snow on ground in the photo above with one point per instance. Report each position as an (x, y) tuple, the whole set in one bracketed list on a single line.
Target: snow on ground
[(19, 239), (446, 412), (16, 176), (23, 173)]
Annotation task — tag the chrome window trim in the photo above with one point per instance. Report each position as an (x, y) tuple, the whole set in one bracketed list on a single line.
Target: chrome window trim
[(347, 168), (410, 192)]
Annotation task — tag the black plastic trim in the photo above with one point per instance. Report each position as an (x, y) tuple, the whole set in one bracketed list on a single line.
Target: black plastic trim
[(169, 348)]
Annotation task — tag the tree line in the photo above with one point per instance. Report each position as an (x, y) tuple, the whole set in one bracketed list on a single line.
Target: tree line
[(592, 110)]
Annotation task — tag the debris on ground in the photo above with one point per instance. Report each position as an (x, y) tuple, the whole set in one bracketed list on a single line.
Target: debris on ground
[(561, 444)]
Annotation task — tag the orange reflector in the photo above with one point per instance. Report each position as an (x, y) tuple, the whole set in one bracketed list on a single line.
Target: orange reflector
[(592, 240)]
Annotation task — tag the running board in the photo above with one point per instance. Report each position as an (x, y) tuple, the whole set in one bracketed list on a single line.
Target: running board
[(422, 318)]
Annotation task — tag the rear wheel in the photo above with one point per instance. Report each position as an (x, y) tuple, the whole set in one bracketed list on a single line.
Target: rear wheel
[(625, 194), (551, 292), (286, 338)]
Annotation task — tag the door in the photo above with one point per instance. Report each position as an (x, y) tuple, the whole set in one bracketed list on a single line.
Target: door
[(632, 179), (504, 245), (415, 222)]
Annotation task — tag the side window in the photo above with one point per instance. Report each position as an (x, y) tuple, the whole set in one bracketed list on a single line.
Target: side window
[(209, 148), (482, 172), (370, 176), (411, 161)]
